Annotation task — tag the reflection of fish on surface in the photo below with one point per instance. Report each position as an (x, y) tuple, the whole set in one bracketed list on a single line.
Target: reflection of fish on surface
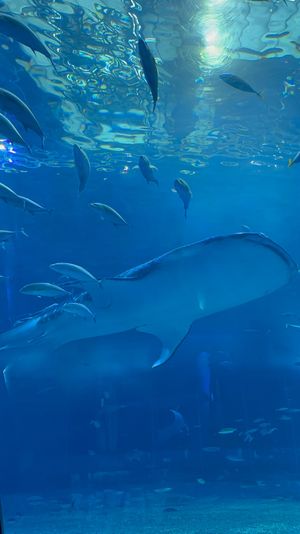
[(164, 296)]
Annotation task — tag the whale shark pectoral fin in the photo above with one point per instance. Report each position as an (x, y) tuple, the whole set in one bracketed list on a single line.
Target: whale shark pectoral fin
[(170, 336)]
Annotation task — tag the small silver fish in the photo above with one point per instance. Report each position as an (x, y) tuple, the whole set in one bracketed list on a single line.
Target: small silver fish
[(150, 69), (9, 132), (79, 310), (13, 28), (82, 165), (108, 214), (44, 289), (183, 189), (147, 170), (11, 103), (74, 271), (33, 207), (227, 430)]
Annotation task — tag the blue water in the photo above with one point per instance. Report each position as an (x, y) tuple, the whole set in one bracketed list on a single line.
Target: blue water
[(91, 435)]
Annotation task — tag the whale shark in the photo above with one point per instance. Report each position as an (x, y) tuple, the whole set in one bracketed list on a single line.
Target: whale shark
[(164, 296)]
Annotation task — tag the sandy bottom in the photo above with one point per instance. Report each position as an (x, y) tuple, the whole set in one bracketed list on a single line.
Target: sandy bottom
[(141, 511)]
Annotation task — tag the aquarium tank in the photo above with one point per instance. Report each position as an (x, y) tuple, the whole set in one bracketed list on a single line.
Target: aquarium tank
[(149, 252)]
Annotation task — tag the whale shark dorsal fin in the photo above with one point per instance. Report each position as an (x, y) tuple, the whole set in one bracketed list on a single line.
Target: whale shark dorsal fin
[(170, 335)]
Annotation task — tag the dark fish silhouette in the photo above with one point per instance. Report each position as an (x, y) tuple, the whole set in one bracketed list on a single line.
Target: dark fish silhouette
[(147, 170), (150, 69), (184, 191), (10, 132), (82, 165), (13, 28), (11, 103), (238, 83)]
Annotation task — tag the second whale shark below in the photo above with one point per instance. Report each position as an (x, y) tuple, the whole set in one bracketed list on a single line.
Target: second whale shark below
[(164, 296)]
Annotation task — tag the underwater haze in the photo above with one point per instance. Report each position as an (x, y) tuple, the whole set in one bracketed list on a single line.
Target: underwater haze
[(149, 252)]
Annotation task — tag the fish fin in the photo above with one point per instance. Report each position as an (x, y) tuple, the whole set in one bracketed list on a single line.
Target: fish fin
[(154, 106), (6, 378), (135, 168), (22, 231), (171, 337), (153, 168), (260, 94), (290, 162)]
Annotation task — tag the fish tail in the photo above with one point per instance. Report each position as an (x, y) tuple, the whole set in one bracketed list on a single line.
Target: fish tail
[(22, 231), (185, 213), (156, 181), (290, 162), (154, 106), (260, 94)]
